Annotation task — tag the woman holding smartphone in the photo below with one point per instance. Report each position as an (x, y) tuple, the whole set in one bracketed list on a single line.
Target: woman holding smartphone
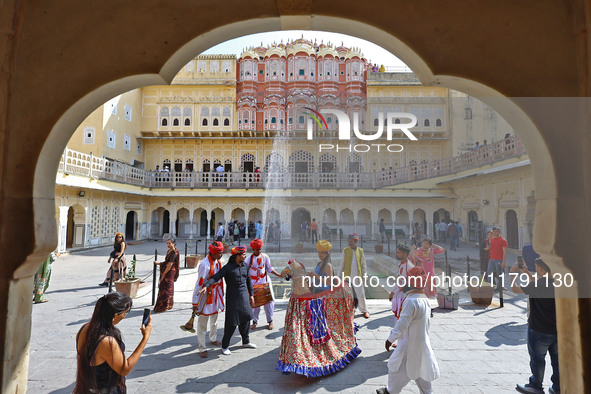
[(102, 365)]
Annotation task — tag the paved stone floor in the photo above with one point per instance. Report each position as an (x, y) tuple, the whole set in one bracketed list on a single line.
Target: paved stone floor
[(480, 350)]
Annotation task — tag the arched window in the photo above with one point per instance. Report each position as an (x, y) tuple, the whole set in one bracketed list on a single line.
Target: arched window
[(438, 123), (175, 122), (376, 122), (273, 120), (164, 122), (468, 115), (329, 120), (396, 121), (301, 119), (204, 123), (216, 122), (187, 122), (226, 122), (426, 123), (290, 120), (281, 121), (266, 121)]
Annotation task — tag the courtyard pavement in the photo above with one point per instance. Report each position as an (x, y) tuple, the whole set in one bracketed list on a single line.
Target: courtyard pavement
[(479, 350)]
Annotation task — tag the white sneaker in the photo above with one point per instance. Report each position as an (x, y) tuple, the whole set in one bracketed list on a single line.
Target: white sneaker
[(250, 345), (226, 351)]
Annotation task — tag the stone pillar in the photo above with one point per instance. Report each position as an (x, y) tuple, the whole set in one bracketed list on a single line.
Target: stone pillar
[(62, 228), (191, 215), (208, 218), (15, 296), (87, 225)]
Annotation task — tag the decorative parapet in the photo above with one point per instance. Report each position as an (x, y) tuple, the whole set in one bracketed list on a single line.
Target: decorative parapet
[(73, 162)]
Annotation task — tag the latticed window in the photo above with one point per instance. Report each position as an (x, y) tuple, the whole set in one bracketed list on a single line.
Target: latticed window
[(301, 162)]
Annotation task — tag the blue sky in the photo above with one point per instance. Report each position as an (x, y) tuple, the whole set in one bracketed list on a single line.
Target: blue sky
[(371, 51)]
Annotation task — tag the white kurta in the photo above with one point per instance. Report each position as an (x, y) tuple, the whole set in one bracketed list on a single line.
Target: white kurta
[(412, 332), (398, 293), (217, 289), (259, 269)]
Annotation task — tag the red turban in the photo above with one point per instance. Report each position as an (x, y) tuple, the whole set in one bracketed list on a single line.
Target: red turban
[(238, 250), (216, 247), (416, 277), (256, 244)]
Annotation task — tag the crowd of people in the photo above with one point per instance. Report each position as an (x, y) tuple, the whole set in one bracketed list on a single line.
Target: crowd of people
[(319, 334)]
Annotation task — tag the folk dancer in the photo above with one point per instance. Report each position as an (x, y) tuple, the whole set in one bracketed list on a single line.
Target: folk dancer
[(239, 298), (259, 268), (398, 294), (214, 297), (413, 358), (351, 271)]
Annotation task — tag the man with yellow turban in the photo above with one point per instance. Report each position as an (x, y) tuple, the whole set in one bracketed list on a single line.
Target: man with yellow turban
[(259, 268), (353, 265)]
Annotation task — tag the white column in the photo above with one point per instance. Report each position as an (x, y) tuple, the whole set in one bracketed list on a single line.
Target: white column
[(208, 213), (191, 214), (87, 225), (62, 228)]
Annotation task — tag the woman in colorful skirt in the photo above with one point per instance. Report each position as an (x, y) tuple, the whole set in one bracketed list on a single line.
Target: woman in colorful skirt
[(319, 334), (169, 269), (424, 257)]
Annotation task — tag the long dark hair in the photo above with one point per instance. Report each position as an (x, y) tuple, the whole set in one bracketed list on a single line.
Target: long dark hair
[(101, 324)]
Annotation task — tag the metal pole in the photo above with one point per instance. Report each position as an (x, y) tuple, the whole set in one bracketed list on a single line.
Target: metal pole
[(468, 263), (111, 279), (361, 241), (340, 240), (500, 286), (196, 245), (186, 254), (388, 246), (154, 277)]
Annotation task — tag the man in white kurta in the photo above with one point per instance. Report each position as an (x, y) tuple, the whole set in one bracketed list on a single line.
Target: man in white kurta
[(353, 265), (214, 297), (397, 294), (259, 268), (413, 358)]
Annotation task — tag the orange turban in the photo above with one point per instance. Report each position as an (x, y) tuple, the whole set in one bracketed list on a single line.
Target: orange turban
[(256, 244)]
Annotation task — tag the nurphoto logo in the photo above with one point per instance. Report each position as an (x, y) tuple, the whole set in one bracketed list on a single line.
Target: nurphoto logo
[(394, 122)]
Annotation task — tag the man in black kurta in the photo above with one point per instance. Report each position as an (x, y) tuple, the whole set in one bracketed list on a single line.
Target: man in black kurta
[(239, 298)]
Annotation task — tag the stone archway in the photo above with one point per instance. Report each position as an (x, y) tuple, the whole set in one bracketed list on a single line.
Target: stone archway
[(452, 63)]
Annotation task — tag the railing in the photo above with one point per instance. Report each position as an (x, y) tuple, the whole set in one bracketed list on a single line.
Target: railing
[(77, 163)]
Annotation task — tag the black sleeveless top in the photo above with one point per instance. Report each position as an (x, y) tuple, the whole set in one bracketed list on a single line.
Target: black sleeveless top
[(107, 380)]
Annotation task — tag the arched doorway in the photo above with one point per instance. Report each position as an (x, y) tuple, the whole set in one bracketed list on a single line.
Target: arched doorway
[(130, 225), (477, 70), (70, 228), (475, 227), (297, 218), (75, 230), (512, 229), (165, 222), (203, 224)]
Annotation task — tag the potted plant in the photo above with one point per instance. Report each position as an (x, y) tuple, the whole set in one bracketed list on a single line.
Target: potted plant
[(379, 248), (226, 247), (192, 260), (299, 248), (130, 284), (481, 294)]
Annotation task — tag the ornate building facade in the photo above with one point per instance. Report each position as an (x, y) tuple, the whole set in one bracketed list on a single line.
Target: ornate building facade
[(153, 172)]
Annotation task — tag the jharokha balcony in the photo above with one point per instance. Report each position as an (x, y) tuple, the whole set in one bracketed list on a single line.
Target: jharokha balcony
[(78, 163)]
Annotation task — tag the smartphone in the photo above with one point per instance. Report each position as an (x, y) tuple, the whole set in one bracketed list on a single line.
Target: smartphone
[(146, 317), (520, 261)]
